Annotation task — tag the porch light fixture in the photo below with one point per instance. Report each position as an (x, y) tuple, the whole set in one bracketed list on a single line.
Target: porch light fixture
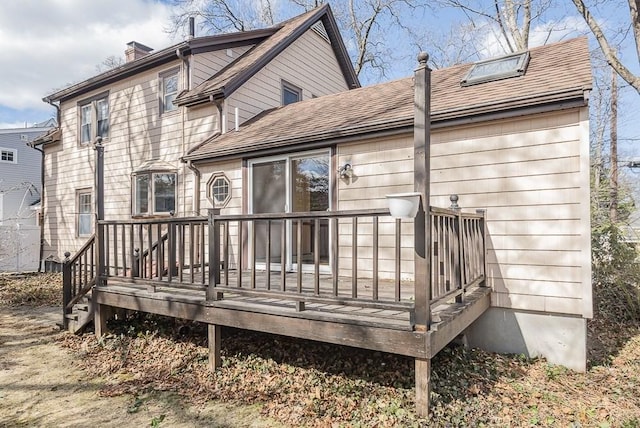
[(345, 171), (404, 205)]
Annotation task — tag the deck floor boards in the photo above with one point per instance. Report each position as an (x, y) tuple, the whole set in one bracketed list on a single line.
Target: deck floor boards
[(165, 297)]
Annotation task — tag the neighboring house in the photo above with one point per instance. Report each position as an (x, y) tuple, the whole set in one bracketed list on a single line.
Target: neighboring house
[(509, 135), (20, 194), (149, 112)]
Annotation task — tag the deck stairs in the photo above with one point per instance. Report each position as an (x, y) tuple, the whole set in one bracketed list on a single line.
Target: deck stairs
[(78, 279), (81, 314)]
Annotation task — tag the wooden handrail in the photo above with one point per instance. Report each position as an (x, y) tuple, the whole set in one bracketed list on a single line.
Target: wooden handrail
[(82, 249), (78, 276)]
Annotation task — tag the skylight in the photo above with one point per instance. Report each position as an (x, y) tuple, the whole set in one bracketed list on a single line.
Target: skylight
[(496, 69)]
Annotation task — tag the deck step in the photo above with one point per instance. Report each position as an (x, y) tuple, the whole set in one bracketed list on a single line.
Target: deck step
[(82, 307), (72, 317)]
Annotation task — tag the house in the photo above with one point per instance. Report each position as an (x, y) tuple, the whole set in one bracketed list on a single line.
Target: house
[(509, 136), (20, 194), (299, 240), (150, 111)]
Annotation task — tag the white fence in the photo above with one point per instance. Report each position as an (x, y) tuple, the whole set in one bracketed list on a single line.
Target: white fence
[(19, 248)]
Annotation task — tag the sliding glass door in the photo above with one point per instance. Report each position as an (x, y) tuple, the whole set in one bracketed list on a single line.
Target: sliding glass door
[(294, 183)]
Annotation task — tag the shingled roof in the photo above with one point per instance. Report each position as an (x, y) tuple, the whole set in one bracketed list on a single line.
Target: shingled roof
[(268, 43), (236, 73), (557, 76)]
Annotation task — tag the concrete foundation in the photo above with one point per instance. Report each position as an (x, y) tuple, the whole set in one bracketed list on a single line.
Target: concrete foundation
[(561, 339)]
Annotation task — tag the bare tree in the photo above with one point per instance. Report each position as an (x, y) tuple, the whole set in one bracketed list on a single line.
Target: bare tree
[(510, 19), (110, 63), (606, 44), (223, 16), (365, 24), (456, 46)]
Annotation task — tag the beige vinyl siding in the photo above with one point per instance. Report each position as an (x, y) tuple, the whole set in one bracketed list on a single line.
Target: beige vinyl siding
[(530, 174), (206, 64), (299, 64), (233, 171), (137, 132)]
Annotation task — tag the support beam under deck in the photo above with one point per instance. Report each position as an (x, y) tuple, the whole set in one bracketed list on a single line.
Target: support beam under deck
[(296, 324)]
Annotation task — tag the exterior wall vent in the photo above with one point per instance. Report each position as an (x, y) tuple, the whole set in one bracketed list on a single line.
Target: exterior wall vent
[(318, 27)]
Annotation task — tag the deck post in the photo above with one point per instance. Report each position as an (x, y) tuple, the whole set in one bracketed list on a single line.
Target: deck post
[(66, 289), (421, 171), (214, 255), (423, 386), (214, 334), (483, 226), (100, 319)]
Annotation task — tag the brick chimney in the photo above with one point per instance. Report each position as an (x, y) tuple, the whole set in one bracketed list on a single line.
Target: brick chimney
[(136, 51)]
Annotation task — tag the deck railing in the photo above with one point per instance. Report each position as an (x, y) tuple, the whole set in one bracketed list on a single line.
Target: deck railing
[(78, 276), (167, 252), (360, 257), (328, 243), (458, 252)]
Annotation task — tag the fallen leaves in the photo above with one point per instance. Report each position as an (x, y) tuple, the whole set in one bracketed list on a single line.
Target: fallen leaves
[(304, 383), (31, 289)]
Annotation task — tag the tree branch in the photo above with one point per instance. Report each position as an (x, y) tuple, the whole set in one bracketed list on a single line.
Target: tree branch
[(607, 50)]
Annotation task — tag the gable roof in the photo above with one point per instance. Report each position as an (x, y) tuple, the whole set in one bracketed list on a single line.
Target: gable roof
[(558, 76), (269, 42), (232, 76)]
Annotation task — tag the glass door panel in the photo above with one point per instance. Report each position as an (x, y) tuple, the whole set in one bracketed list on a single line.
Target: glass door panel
[(269, 195), (309, 186)]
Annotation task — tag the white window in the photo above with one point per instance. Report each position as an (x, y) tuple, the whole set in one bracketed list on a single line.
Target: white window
[(219, 190), (154, 193), (169, 90), (94, 119), (290, 93), (84, 213), (8, 155)]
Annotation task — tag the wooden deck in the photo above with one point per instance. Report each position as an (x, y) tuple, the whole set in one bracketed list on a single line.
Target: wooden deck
[(363, 326), (183, 268)]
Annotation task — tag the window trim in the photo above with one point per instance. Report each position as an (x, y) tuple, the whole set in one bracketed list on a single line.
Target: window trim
[(214, 177), (161, 94), (286, 86), (151, 212), (14, 155), (92, 102), (79, 193)]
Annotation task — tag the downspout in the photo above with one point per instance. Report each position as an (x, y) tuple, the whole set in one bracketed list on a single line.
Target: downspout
[(196, 187), (57, 107), (42, 181), (222, 118), (41, 214), (186, 80)]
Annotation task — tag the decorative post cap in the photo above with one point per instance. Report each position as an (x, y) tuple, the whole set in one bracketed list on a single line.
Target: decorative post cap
[(454, 202), (423, 57), (67, 255)]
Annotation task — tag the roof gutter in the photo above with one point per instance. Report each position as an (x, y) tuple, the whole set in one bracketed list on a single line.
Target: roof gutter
[(310, 142), (150, 61), (439, 120)]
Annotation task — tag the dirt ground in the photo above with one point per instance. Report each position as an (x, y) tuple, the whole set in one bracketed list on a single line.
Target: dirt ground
[(40, 387)]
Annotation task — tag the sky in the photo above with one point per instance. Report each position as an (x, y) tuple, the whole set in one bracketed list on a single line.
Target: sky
[(49, 44)]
